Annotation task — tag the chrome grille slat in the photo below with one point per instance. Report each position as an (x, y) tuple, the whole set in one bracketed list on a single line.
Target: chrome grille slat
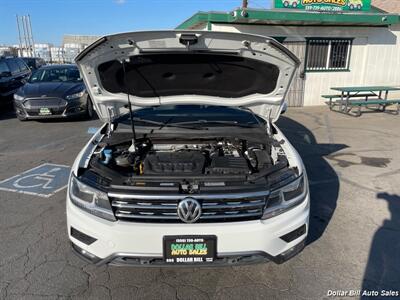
[(232, 206), (149, 208), (140, 206)]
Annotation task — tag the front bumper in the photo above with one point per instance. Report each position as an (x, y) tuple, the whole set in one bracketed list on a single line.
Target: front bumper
[(59, 109), (140, 244)]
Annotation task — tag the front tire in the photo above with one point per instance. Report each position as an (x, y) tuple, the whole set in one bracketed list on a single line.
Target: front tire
[(21, 118)]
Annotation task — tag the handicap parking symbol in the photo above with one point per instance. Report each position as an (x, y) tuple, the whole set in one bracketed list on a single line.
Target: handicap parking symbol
[(44, 180)]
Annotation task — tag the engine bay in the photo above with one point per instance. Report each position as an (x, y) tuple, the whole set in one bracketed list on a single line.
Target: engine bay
[(219, 156)]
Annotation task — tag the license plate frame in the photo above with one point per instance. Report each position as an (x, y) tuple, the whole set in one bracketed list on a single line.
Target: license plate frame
[(193, 254)]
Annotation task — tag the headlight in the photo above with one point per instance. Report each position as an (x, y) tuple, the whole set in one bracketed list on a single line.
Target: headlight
[(75, 96), (284, 198), (18, 97), (90, 199)]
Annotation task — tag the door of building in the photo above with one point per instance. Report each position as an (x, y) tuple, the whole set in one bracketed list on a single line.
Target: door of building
[(295, 96)]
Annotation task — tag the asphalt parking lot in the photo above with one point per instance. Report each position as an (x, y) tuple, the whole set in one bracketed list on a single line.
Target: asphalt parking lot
[(354, 243)]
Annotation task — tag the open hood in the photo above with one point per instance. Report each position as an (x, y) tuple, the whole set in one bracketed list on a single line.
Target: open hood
[(187, 67)]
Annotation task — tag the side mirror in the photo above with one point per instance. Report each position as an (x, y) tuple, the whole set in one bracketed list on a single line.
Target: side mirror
[(5, 74), (284, 108)]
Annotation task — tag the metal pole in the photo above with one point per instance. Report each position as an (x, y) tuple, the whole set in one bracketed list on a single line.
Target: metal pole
[(19, 36), (31, 35), (24, 36), (27, 36), (24, 44)]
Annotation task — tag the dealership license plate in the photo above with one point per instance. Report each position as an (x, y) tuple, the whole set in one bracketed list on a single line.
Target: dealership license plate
[(44, 111), (190, 249)]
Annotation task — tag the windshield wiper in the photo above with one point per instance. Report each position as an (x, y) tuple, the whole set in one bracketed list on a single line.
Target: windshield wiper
[(166, 124), (222, 122)]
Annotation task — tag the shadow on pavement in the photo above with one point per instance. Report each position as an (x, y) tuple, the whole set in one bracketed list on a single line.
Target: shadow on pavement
[(82, 118), (6, 111), (324, 182), (383, 267)]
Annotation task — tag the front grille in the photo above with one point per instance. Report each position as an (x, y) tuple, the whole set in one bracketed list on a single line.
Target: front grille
[(215, 208), (56, 103), (36, 112)]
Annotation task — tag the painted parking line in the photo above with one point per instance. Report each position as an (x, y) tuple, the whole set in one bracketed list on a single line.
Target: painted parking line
[(44, 180)]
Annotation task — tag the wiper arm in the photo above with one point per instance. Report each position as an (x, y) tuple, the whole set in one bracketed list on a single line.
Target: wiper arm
[(232, 123), (165, 124)]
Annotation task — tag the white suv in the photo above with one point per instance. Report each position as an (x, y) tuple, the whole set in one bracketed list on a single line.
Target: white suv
[(189, 167)]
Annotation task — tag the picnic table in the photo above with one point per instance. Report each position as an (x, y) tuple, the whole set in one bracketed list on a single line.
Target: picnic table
[(367, 95)]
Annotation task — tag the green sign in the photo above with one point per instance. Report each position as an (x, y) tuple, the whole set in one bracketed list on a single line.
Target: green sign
[(325, 5)]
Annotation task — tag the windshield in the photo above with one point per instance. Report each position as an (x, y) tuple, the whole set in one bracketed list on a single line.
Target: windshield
[(61, 74), (202, 115)]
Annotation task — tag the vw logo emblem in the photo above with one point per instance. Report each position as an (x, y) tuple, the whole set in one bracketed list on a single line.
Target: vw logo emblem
[(189, 210)]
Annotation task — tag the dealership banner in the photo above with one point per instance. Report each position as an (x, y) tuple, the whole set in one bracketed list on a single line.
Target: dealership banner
[(325, 5)]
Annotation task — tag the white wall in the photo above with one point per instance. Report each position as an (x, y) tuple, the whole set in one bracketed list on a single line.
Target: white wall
[(375, 55)]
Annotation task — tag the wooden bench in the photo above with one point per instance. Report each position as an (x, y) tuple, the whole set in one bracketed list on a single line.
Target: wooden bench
[(379, 102)]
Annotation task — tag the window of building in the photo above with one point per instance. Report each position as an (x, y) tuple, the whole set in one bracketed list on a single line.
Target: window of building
[(328, 54)]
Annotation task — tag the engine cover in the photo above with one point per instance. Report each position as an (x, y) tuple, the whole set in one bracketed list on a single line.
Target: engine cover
[(228, 165), (167, 163)]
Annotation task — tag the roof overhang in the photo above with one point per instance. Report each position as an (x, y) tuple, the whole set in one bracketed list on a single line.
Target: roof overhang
[(293, 17)]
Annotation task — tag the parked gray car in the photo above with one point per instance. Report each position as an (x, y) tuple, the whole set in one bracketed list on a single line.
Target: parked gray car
[(55, 91)]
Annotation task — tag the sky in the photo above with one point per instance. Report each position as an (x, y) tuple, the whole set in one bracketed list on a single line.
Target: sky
[(51, 19)]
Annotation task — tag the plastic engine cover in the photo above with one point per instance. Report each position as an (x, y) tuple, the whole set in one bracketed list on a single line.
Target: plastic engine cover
[(167, 163), (228, 165)]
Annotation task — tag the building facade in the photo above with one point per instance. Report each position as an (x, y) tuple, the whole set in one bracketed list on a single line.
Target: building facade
[(57, 55), (8, 51), (43, 51), (335, 49), (74, 44)]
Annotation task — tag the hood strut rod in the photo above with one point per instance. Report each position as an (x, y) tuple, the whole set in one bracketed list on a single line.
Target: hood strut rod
[(129, 106)]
